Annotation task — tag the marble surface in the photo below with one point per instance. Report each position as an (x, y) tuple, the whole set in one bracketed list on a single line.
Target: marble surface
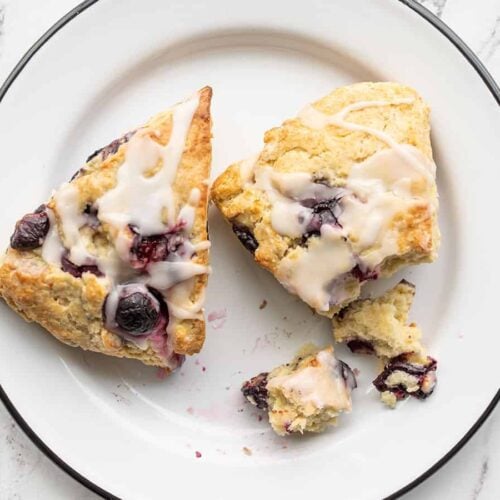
[(25, 473)]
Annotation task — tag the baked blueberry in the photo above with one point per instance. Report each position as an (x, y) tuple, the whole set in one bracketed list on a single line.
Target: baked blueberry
[(112, 147), (31, 230), (347, 374), (246, 237), (405, 378), (138, 312), (155, 248), (360, 346), (77, 271), (323, 212), (255, 390), (364, 274)]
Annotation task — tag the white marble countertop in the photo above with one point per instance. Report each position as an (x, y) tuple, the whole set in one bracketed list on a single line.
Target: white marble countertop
[(25, 473)]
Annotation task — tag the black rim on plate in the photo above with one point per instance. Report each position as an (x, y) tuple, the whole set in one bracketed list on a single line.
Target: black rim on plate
[(473, 61)]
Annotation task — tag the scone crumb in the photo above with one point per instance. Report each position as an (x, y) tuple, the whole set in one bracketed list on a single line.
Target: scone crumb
[(247, 451), (389, 399)]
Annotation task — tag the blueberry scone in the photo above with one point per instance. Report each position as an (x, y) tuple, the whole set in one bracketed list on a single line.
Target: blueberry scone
[(117, 260), (341, 194), (307, 394), (380, 327)]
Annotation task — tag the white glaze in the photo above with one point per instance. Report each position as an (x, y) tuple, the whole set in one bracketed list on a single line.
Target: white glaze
[(314, 118), (380, 187), (165, 274), (321, 385), (187, 212), (140, 200), (247, 168), (288, 216), (68, 208), (52, 248), (309, 273), (178, 298)]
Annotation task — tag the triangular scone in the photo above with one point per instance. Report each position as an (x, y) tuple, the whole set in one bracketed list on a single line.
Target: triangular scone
[(380, 327), (117, 260), (341, 194)]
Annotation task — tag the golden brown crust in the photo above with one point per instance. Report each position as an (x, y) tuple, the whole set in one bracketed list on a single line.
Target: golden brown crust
[(194, 171), (71, 308), (330, 153)]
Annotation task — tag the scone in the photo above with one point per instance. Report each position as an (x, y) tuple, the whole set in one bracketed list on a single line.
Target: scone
[(117, 260), (380, 327), (307, 394), (341, 194)]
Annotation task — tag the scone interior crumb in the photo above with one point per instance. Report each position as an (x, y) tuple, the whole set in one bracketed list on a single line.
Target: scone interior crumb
[(379, 326)]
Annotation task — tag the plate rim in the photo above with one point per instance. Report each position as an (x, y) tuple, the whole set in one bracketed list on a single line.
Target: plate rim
[(469, 56)]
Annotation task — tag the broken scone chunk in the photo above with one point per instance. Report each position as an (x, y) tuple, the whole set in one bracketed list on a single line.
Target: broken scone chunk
[(117, 260), (379, 326), (307, 394), (406, 375), (341, 194)]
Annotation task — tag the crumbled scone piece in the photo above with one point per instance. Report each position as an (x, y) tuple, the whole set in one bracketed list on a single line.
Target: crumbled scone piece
[(116, 261), (406, 375), (341, 194), (307, 394), (379, 326)]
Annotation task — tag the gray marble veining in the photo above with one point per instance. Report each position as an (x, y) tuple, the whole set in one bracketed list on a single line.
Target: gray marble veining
[(436, 6)]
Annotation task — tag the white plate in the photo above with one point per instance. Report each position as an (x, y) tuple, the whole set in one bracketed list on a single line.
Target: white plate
[(115, 422)]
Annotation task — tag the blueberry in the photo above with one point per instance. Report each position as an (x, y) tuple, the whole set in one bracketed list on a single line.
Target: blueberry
[(364, 274), (110, 149), (360, 346), (31, 230), (255, 390), (323, 212), (155, 248), (77, 271), (348, 375), (137, 313), (246, 237), (90, 212), (77, 174), (424, 375)]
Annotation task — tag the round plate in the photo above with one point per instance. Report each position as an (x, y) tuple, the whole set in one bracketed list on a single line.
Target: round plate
[(137, 436)]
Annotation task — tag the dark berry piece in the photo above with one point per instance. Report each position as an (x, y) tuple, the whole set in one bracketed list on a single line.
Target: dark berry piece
[(31, 230), (324, 212), (77, 174), (348, 375), (423, 375), (40, 209), (110, 149), (77, 271), (246, 237), (360, 346), (364, 274), (255, 390), (155, 248), (90, 212), (137, 313)]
